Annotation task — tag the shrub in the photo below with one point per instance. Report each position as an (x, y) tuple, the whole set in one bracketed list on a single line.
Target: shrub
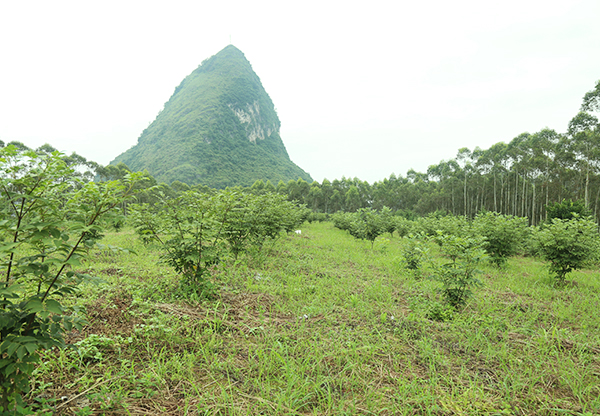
[(414, 252), (367, 224), (197, 229), (447, 225), (568, 244), (458, 275), (342, 220), (48, 220), (503, 234), (388, 221), (403, 226), (567, 209)]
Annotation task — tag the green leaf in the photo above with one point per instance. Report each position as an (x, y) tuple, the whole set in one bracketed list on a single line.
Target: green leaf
[(74, 261), (9, 248), (12, 347), (21, 351), (54, 306), (31, 348), (34, 306)]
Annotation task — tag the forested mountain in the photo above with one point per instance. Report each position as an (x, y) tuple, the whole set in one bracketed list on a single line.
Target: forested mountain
[(219, 128)]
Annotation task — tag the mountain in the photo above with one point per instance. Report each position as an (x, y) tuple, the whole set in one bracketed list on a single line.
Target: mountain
[(219, 128)]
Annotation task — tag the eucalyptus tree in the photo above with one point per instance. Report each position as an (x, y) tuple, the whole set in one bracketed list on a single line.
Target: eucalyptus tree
[(352, 200), (591, 100), (327, 191), (464, 157), (584, 130), (314, 198), (544, 146)]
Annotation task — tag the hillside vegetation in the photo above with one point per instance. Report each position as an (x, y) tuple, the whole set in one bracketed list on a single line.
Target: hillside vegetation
[(219, 129)]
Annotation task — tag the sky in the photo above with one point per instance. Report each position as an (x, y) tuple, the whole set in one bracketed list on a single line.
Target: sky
[(362, 89)]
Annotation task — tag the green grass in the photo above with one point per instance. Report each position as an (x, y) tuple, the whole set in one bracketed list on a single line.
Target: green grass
[(323, 324)]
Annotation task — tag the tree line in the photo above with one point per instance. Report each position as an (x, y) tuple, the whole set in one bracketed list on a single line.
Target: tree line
[(521, 177)]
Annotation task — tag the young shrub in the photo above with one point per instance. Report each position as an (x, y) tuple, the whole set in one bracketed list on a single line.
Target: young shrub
[(191, 230), (568, 245), (367, 225), (388, 220), (458, 275), (48, 220), (404, 226), (567, 209), (432, 224), (414, 253), (503, 235), (342, 220)]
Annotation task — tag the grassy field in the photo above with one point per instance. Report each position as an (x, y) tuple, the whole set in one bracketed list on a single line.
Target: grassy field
[(325, 325)]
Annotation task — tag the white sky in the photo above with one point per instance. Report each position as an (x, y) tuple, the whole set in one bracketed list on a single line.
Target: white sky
[(362, 89)]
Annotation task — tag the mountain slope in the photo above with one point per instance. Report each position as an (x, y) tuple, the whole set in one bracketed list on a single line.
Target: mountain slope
[(219, 128)]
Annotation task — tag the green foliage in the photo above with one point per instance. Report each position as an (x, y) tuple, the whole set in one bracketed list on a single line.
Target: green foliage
[(433, 224), (317, 217), (342, 220), (49, 218), (414, 252), (388, 220), (567, 209), (568, 244), (503, 234), (367, 224), (404, 226), (440, 312), (196, 230), (458, 275), (191, 231)]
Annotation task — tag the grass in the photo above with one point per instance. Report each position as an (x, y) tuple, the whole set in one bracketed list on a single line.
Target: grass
[(325, 325)]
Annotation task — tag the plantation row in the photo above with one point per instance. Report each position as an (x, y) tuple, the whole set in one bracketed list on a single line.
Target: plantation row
[(568, 241)]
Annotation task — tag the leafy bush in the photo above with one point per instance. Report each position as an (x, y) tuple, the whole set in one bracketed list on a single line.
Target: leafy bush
[(367, 224), (197, 229), (431, 225), (503, 234), (567, 209), (458, 275), (568, 244), (317, 217), (414, 252), (49, 218), (403, 226), (342, 220), (388, 220)]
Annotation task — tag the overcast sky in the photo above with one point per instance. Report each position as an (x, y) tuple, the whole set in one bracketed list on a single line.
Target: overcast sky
[(362, 89)]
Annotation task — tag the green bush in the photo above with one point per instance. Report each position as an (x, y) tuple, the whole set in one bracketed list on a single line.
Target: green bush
[(568, 244), (342, 220), (403, 226), (49, 219), (567, 209), (197, 230), (458, 275), (367, 224), (503, 234), (414, 253), (447, 225), (388, 220)]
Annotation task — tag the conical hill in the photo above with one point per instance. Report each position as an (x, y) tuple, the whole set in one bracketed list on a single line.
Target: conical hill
[(219, 128)]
